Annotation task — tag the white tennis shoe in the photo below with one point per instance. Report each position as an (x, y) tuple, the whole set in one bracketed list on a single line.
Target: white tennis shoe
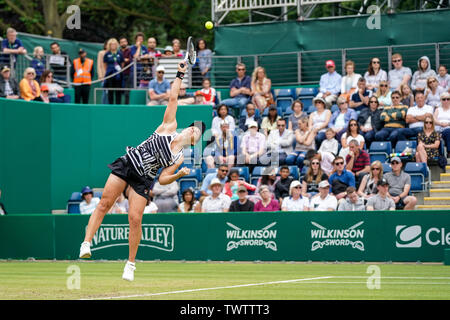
[(85, 250), (128, 271)]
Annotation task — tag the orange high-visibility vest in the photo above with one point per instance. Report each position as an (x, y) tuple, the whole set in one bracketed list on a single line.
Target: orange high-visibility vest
[(82, 71)]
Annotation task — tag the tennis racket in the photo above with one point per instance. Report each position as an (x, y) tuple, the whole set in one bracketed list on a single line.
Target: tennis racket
[(191, 55)]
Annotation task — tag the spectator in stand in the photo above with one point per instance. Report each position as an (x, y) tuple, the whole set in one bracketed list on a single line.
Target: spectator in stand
[(298, 113), (38, 63), (55, 91), (310, 182), (352, 133), (101, 71), (323, 201), (424, 71), (233, 183), (374, 74), (269, 179), (176, 47), (159, 88), (165, 196), (248, 117), (349, 82), (352, 201), (407, 96), (330, 84), (305, 140), (400, 75), (393, 119), (222, 115), (261, 85), (189, 204), (369, 121), (121, 206), (442, 119), (204, 59), (127, 60), (242, 204), (221, 175), (428, 142), (139, 49), (168, 52), (383, 94), (269, 123), (399, 186), (360, 99), (199, 98), (381, 200), (113, 63), (415, 117), (29, 88), (217, 201), (443, 77), (44, 94), (330, 144), (82, 73), (295, 201), (433, 92), (11, 46), (153, 54), (184, 98), (151, 207), (279, 144), (2, 207), (267, 202), (59, 62), (341, 179), (139, 52), (358, 161), (240, 89), (208, 92), (368, 185), (224, 148), (253, 146), (89, 203), (283, 184), (9, 88), (319, 120), (340, 119)]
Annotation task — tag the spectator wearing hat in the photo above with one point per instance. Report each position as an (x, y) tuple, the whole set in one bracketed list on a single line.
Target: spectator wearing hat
[(270, 122), (267, 202), (82, 73), (168, 52), (221, 175), (9, 88), (159, 88), (44, 94), (29, 87), (199, 98), (381, 201), (319, 120), (242, 204), (323, 201), (352, 201), (330, 84), (295, 201), (249, 116), (240, 89), (253, 146), (399, 186), (89, 203), (217, 201)]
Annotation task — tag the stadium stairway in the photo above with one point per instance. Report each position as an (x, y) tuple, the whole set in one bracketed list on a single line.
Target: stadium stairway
[(439, 194)]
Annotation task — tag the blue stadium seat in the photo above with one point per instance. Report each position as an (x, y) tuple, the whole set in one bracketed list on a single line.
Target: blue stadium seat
[(243, 173), (307, 104), (304, 170), (420, 175), (380, 150), (73, 204), (76, 196), (402, 145), (256, 174), (192, 180), (211, 170), (306, 92), (386, 168), (294, 172), (284, 98)]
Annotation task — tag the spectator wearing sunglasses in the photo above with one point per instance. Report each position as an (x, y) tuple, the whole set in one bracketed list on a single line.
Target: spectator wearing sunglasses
[(368, 186), (428, 142), (442, 118), (383, 94), (369, 121), (221, 174), (393, 118), (159, 88), (374, 74), (279, 144), (295, 201), (400, 75), (341, 179), (415, 117), (399, 186), (433, 92)]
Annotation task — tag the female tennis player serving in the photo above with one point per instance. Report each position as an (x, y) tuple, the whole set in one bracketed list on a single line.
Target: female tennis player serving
[(138, 169)]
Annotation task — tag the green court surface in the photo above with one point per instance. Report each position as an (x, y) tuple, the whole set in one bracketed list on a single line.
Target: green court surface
[(223, 281)]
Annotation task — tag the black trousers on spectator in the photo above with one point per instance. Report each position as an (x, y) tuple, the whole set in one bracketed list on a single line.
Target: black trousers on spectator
[(82, 93), (114, 83)]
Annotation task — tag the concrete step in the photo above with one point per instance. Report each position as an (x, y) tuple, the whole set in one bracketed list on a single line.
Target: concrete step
[(439, 192), (432, 207), (440, 184), (437, 200), (447, 169), (445, 176)]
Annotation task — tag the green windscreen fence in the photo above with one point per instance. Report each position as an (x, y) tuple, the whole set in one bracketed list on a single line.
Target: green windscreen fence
[(49, 151)]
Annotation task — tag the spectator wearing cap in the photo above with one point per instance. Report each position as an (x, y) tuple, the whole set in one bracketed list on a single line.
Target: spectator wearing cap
[(168, 52), (319, 120), (295, 201), (11, 46), (282, 186), (352, 201), (279, 144), (217, 201), (159, 88), (330, 84), (29, 87), (374, 74), (249, 116), (222, 115), (323, 201), (358, 161), (253, 146), (82, 73), (199, 98), (341, 179), (399, 186), (340, 118), (89, 203), (233, 183), (240, 89), (267, 202), (9, 88), (224, 148), (381, 201), (359, 100), (269, 122), (242, 204), (55, 91), (44, 94), (221, 175)]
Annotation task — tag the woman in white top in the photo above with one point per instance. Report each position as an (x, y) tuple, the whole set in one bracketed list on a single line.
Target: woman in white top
[(189, 203), (433, 92), (442, 118), (374, 74), (295, 201), (222, 114), (319, 120), (349, 83), (383, 94), (368, 186), (351, 133)]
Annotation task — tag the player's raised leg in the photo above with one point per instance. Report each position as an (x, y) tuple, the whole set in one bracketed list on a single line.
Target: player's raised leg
[(113, 187), (135, 212)]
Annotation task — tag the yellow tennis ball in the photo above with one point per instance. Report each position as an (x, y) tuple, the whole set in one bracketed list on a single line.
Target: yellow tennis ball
[(209, 25)]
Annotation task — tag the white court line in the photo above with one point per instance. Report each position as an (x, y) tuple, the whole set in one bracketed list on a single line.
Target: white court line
[(206, 289), (381, 282), (382, 277)]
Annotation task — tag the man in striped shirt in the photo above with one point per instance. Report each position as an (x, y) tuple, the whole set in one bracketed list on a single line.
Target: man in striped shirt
[(358, 161)]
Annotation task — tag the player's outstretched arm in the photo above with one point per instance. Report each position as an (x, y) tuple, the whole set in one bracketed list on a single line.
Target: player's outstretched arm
[(171, 110)]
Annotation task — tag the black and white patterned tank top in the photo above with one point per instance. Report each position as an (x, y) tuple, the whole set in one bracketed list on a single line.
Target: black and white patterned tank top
[(153, 154)]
